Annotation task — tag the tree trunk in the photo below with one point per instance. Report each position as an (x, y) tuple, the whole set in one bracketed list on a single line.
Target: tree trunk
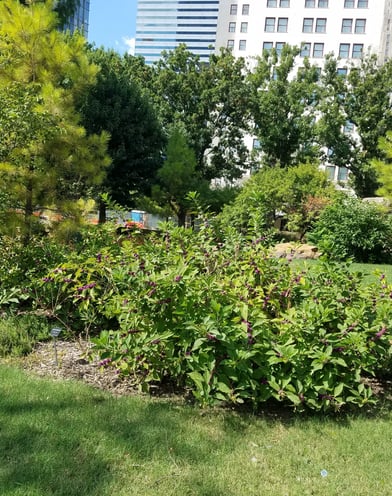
[(102, 212), (28, 212), (181, 216)]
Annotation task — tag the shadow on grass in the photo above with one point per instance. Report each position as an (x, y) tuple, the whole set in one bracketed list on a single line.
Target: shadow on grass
[(70, 440)]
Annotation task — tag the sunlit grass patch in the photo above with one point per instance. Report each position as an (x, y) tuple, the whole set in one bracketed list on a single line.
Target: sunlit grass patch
[(69, 439)]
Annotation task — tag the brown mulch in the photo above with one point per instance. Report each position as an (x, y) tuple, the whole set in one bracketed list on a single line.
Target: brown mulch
[(76, 360)]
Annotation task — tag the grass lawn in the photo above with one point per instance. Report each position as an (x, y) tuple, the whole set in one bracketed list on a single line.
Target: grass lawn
[(65, 438), (370, 272)]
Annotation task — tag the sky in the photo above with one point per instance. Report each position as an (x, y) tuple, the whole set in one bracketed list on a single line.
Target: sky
[(112, 24)]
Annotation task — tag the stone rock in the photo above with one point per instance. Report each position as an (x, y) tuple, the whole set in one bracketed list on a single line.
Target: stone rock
[(295, 250)]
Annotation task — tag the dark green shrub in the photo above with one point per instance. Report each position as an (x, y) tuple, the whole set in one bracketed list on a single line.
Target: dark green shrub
[(20, 264), (351, 228)]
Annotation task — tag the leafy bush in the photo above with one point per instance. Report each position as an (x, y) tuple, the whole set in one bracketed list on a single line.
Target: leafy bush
[(19, 333), (221, 316), (20, 264), (299, 193), (351, 228)]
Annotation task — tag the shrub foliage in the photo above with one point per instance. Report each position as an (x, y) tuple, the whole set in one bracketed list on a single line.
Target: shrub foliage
[(351, 228), (219, 315)]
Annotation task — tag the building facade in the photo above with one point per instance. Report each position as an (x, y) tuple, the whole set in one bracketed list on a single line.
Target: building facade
[(79, 21), (346, 28), (165, 24)]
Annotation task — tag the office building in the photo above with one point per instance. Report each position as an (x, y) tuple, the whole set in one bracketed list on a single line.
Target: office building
[(347, 28), (165, 24), (79, 21)]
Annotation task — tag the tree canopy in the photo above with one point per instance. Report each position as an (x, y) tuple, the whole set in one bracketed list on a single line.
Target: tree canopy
[(116, 104), (211, 103)]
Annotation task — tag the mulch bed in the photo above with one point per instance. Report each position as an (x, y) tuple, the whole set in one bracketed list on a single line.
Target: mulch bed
[(75, 360)]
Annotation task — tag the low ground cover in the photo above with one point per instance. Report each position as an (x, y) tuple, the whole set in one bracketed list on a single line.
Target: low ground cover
[(67, 439)]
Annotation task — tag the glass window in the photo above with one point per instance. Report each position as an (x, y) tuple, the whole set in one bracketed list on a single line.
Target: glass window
[(284, 3), (231, 27), (272, 3), (282, 24), (347, 25), (360, 25), (230, 44), (357, 50), (318, 50), (348, 127), (362, 4), (245, 9), (322, 4), (244, 27), (267, 45), (330, 170), (256, 144), (242, 45), (307, 26), (321, 25), (344, 50), (279, 46), (309, 4), (342, 173), (342, 71), (233, 9), (349, 4), (305, 50), (269, 24)]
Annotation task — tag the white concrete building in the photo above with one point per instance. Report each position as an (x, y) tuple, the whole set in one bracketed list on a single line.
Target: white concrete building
[(346, 28)]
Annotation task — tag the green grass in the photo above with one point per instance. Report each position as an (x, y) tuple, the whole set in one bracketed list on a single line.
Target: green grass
[(370, 272), (65, 438)]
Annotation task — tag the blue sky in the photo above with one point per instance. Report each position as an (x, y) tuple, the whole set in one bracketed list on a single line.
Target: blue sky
[(112, 24)]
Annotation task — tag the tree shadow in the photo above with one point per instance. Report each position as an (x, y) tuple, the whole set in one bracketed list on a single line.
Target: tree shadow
[(60, 444)]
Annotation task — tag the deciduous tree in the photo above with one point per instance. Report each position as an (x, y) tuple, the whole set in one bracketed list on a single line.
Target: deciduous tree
[(211, 102)]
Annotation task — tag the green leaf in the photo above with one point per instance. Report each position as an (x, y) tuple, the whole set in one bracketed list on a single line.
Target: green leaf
[(224, 388), (338, 390)]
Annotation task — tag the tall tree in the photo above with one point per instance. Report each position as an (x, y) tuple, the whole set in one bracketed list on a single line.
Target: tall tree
[(339, 147), (116, 104), (64, 9), (283, 107), (211, 102), (368, 107), (45, 149)]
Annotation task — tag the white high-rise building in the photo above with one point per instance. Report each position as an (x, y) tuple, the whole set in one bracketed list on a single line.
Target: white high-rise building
[(165, 24), (346, 28)]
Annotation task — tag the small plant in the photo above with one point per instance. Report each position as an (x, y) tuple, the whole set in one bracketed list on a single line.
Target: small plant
[(19, 333)]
